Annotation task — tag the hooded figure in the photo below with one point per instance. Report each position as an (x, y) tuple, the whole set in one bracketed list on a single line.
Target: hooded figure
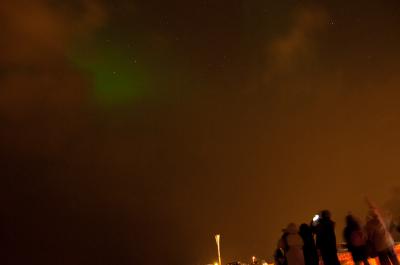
[(294, 253), (379, 239)]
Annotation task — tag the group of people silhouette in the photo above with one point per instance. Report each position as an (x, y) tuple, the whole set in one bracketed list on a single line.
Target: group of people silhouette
[(315, 243)]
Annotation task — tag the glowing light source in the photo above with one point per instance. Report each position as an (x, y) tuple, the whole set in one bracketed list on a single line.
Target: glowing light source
[(315, 218), (217, 238)]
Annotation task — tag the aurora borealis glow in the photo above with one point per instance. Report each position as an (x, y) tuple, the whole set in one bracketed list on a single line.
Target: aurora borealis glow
[(117, 78)]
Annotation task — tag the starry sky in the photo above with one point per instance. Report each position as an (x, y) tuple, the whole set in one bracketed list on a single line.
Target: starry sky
[(133, 131)]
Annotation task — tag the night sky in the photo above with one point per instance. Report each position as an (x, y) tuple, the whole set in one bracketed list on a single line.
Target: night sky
[(132, 132)]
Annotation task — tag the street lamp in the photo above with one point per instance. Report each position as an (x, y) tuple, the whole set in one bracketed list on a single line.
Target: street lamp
[(217, 238)]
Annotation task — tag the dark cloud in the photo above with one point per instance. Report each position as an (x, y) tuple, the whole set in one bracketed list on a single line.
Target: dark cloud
[(35, 30), (298, 44), (38, 35)]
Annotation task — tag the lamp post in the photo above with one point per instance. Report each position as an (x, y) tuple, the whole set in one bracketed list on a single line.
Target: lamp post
[(217, 238)]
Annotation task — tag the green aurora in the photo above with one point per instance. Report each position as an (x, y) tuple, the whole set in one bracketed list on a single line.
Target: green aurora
[(116, 77)]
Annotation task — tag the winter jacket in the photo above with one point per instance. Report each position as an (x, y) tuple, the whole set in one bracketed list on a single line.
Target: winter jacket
[(378, 234), (295, 243)]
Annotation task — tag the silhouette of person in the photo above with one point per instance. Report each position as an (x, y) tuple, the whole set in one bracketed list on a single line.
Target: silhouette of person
[(282, 248), (326, 239), (294, 253), (309, 249), (356, 240), (380, 237)]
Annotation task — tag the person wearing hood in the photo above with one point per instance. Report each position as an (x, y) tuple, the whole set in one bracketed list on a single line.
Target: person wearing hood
[(379, 237), (294, 245)]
